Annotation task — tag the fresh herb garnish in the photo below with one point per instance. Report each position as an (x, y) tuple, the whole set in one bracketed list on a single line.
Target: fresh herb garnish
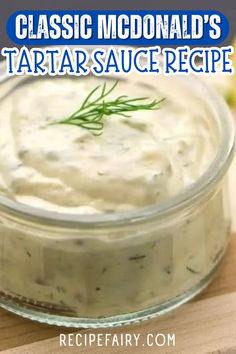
[(92, 111)]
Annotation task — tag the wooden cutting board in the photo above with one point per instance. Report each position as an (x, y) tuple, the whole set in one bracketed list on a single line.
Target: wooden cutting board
[(205, 325)]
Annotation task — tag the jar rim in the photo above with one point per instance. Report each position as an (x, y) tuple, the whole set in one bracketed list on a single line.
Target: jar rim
[(185, 198)]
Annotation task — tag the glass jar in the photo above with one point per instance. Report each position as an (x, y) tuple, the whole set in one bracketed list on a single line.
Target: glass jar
[(111, 269)]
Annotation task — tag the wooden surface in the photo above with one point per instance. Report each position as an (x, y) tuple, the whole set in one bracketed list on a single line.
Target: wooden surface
[(205, 325)]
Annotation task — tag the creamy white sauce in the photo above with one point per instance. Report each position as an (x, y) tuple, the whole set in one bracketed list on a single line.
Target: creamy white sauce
[(137, 161)]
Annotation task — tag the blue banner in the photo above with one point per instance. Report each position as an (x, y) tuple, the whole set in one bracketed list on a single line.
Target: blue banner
[(117, 27)]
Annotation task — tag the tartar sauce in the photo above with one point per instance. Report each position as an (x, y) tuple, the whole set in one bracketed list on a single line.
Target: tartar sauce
[(137, 161), (94, 273)]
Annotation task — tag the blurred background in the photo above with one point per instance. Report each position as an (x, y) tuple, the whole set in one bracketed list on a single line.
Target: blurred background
[(227, 7)]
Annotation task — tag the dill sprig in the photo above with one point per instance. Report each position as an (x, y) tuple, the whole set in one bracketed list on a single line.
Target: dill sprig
[(92, 111)]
